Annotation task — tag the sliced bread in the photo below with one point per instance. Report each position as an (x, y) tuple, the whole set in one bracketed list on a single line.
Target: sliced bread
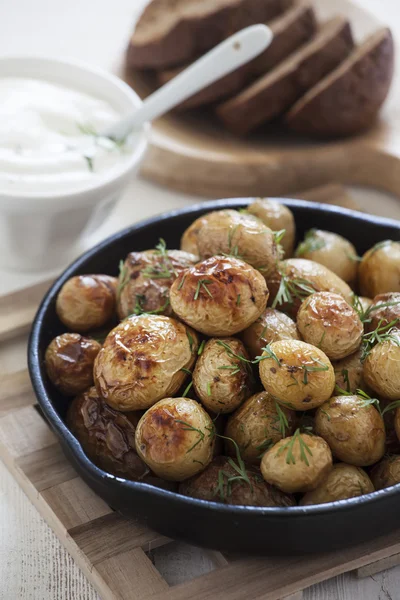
[(349, 99), (172, 32), (290, 30), (272, 94)]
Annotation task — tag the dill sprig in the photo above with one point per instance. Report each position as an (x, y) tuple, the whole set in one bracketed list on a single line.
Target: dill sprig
[(163, 271), (233, 354), (202, 284), (189, 427), (233, 368), (291, 289), (278, 236), (289, 446), (366, 400), (392, 406), (190, 384), (311, 243), (201, 348), (225, 480), (383, 333), (267, 353), (190, 339), (366, 315), (281, 419), (139, 310), (123, 279), (310, 369)]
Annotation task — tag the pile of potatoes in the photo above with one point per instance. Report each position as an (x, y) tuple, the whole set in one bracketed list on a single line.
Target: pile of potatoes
[(239, 369)]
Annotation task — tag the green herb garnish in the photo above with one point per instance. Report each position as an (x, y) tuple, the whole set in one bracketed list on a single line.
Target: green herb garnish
[(189, 427), (311, 243), (289, 446), (202, 284)]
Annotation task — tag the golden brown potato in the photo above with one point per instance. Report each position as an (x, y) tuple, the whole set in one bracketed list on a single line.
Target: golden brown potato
[(106, 435), (250, 490), (175, 438), (87, 302), (223, 377), (228, 232), (382, 367), (69, 361), (297, 278), (298, 375), (386, 472), (384, 309), (190, 235), (331, 250), (219, 296), (143, 360), (257, 425), (271, 326), (327, 321), (344, 481), (145, 280), (298, 463), (349, 373), (379, 270), (277, 217), (353, 428)]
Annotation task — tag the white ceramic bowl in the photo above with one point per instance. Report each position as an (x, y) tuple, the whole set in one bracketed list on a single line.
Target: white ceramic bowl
[(40, 230)]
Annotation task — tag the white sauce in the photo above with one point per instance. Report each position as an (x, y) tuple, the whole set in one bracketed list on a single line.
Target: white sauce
[(48, 138)]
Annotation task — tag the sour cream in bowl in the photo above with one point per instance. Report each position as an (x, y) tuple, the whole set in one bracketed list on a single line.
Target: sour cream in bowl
[(59, 177)]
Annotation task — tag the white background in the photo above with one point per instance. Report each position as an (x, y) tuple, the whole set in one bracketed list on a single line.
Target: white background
[(33, 564)]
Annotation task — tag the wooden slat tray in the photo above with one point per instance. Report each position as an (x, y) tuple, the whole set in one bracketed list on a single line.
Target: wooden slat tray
[(118, 555)]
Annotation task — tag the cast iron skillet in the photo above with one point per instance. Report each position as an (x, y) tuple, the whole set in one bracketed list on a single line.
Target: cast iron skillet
[(234, 528)]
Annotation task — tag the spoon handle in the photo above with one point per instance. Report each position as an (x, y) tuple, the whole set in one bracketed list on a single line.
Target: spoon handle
[(223, 59)]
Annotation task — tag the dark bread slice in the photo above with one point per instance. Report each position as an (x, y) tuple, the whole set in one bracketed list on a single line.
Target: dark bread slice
[(293, 28), (348, 100), (171, 32), (272, 94)]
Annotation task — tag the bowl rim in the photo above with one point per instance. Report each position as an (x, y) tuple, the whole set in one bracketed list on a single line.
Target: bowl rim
[(111, 81), (66, 437)]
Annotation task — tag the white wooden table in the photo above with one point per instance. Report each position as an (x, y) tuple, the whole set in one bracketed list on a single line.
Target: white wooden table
[(33, 564)]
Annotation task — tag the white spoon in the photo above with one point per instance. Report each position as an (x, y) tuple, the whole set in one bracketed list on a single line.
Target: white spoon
[(231, 54)]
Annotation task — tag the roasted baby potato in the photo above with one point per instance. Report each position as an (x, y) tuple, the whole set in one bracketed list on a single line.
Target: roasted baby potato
[(344, 481), (228, 232), (223, 377), (379, 270), (349, 373), (332, 251), (257, 425), (296, 278), (298, 463), (87, 302), (277, 217), (219, 296), (144, 360), (145, 279), (384, 309), (271, 326), (353, 428), (106, 435), (298, 375), (386, 472), (327, 321), (69, 361), (175, 438), (382, 367), (250, 489)]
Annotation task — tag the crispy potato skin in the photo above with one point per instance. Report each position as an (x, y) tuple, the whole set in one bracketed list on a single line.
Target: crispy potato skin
[(382, 368), (271, 326), (386, 472), (189, 238), (222, 390), (241, 235), (141, 361), (141, 282), (277, 217), (219, 296), (385, 308), (379, 270), (327, 321), (205, 487), (344, 481), (304, 377), (318, 277), (69, 361), (331, 250), (106, 435), (86, 302), (298, 476), (175, 438), (255, 426), (349, 373), (354, 432)]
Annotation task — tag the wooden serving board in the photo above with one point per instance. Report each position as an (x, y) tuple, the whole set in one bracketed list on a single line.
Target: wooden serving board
[(195, 155), (119, 555)]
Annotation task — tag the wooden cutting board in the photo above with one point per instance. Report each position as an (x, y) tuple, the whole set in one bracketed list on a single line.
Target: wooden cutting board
[(192, 154)]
